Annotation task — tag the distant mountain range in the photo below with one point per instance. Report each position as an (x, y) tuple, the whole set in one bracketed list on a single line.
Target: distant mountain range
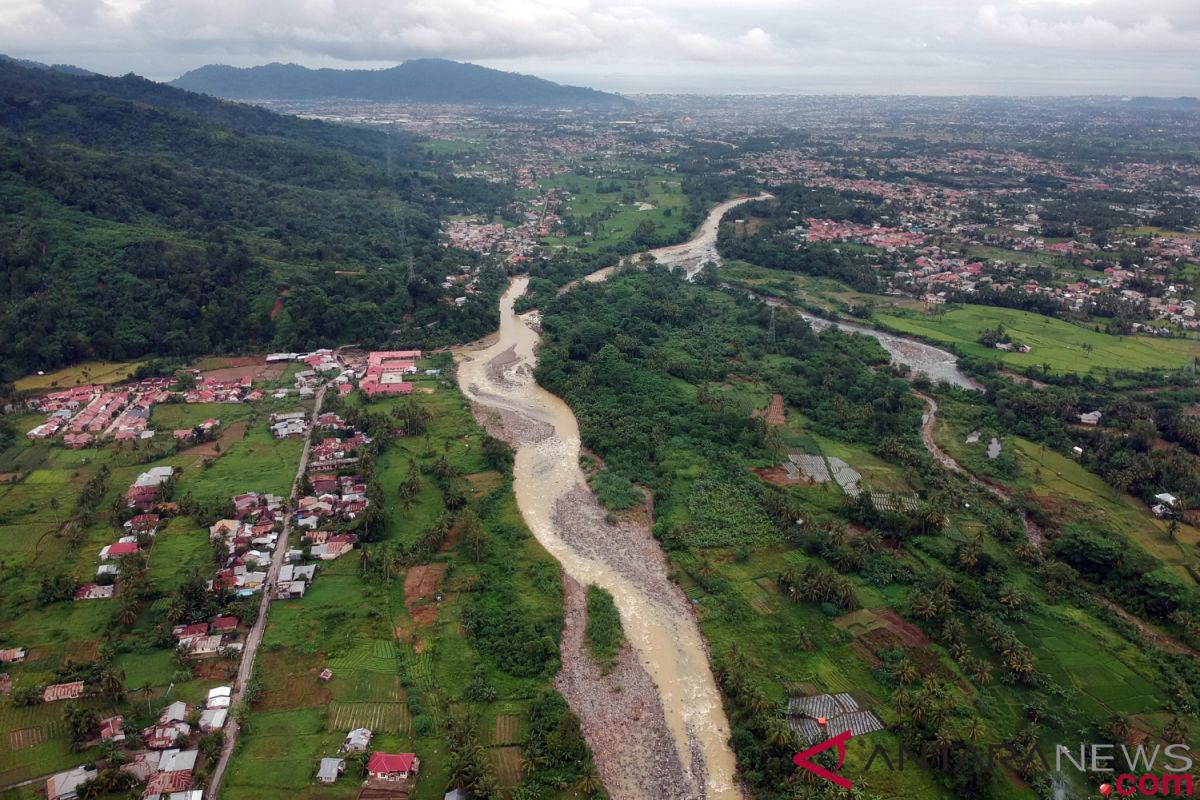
[(66, 69), (423, 80)]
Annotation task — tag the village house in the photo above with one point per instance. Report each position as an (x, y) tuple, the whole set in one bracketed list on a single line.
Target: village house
[(220, 697), (1090, 418), (112, 729), (393, 766), (143, 524), (117, 550), (94, 591), (164, 736), (65, 785), (330, 769), (212, 719), (12, 655), (357, 740), (174, 778), (291, 424)]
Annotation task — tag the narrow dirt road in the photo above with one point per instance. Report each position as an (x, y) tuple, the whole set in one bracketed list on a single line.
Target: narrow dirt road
[(1033, 531), (254, 637)]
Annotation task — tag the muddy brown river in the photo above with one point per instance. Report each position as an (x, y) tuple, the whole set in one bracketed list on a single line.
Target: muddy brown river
[(551, 492)]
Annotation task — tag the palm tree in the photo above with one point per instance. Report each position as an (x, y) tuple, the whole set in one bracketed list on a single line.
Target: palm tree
[(127, 609), (1176, 730), (981, 671), (529, 765), (1119, 727), (112, 683), (802, 641), (975, 729), (589, 781), (779, 733), (906, 672)]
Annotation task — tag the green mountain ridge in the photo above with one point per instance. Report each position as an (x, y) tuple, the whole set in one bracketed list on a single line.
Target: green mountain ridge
[(423, 80), (139, 220)]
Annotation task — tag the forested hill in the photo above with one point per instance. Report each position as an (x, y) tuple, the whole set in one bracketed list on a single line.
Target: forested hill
[(137, 219), (422, 80)]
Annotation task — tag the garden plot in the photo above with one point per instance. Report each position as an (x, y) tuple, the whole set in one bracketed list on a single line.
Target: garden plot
[(901, 503), (820, 716), (845, 476), (811, 467)]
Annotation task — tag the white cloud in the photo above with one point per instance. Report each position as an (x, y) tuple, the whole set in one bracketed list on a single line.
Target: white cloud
[(1151, 33), (868, 45)]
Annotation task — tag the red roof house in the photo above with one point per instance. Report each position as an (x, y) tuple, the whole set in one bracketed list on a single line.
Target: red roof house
[(393, 766), (118, 549)]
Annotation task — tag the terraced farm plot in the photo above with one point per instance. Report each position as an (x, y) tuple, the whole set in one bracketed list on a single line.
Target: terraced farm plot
[(379, 717), (1105, 684), (507, 761), (371, 655), (505, 729)]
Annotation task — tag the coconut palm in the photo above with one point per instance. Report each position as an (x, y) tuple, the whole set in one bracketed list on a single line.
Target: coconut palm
[(589, 781), (906, 672)]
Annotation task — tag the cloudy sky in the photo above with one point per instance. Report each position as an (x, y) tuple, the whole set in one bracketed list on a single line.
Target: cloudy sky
[(803, 46)]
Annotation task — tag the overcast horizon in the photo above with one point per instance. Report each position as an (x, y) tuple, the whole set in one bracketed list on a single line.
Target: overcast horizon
[(943, 47)]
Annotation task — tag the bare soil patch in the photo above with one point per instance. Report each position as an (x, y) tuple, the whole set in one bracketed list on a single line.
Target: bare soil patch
[(230, 436), (215, 669), (484, 482), (420, 583), (291, 681), (778, 476), (508, 764), (237, 367)]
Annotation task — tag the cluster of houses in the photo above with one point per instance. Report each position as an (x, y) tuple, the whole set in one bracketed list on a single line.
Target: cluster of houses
[(213, 391), (386, 371), (830, 230), (166, 764), (208, 639), (383, 769), (335, 497), (333, 452), (147, 491), (250, 540), (292, 423), (85, 414)]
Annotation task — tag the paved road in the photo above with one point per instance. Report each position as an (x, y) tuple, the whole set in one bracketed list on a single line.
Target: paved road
[(254, 637)]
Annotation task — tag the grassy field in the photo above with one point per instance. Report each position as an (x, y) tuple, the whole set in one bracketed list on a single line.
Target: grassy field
[(1054, 342), (258, 463), (87, 372), (797, 288), (1147, 230), (1016, 256), (660, 191)]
